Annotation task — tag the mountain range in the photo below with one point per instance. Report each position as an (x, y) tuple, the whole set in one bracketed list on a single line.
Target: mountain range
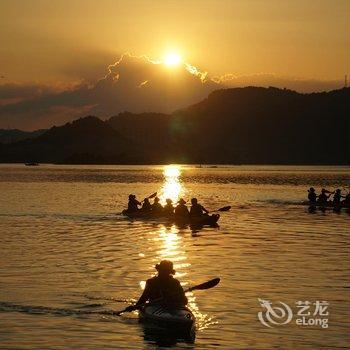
[(231, 126), (13, 135)]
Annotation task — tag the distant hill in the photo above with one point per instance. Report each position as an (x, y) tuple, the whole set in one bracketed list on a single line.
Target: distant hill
[(84, 141), (233, 126), (14, 135), (250, 126)]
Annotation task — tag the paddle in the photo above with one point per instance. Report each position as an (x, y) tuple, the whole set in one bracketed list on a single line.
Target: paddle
[(227, 208), (206, 285), (153, 195)]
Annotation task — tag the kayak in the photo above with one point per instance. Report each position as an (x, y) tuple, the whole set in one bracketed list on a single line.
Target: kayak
[(205, 220), (329, 204), (180, 319)]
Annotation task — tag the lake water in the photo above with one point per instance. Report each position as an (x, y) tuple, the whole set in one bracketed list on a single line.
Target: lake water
[(67, 258)]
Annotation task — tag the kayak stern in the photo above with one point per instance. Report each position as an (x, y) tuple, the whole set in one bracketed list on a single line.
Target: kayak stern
[(174, 319)]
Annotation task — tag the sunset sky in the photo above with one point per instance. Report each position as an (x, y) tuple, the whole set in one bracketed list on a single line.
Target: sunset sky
[(48, 47)]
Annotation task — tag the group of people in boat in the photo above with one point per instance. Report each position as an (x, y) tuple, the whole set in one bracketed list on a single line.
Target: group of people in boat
[(179, 210), (324, 198)]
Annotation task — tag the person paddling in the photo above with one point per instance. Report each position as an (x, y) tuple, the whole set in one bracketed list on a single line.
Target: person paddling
[(146, 206), (164, 286), (197, 209), (156, 206), (133, 203), (312, 197), (168, 208), (337, 197), (181, 209), (323, 197)]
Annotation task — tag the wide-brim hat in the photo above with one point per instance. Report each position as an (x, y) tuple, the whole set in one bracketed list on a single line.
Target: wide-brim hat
[(165, 266), (311, 189)]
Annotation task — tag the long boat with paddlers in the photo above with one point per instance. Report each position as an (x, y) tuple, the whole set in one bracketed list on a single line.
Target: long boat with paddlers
[(161, 215)]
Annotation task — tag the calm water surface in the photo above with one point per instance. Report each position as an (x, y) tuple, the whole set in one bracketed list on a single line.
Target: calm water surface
[(67, 258)]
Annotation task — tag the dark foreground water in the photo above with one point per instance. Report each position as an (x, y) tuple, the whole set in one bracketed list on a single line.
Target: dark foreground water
[(67, 258)]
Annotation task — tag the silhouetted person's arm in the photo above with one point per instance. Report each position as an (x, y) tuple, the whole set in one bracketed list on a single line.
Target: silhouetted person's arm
[(145, 295), (205, 210), (181, 294)]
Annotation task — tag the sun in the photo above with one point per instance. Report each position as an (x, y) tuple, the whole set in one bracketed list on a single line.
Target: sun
[(172, 59)]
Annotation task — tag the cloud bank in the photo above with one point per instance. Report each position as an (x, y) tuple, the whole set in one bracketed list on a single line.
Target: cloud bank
[(134, 84)]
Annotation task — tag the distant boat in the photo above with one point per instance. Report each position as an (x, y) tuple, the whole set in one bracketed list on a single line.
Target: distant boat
[(31, 164)]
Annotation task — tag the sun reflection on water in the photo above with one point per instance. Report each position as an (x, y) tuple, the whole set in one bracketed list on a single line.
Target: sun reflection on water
[(168, 242), (172, 187)]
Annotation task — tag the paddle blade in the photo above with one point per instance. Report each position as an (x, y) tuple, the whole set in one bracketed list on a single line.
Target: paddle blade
[(127, 309), (206, 285), (227, 208), (153, 195)]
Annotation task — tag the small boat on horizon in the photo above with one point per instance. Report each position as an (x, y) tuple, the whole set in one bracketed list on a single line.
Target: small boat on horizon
[(31, 164)]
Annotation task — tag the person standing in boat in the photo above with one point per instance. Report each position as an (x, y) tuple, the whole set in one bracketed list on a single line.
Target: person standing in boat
[(146, 206), (312, 197), (164, 287), (181, 210), (197, 210), (168, 209), (323, 197), (156, 206), (133, 203)]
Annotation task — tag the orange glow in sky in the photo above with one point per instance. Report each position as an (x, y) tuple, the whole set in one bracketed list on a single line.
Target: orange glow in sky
[(294, 38)]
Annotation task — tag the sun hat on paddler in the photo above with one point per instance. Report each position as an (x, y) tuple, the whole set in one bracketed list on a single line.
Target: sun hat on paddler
[(311, 189), (165, 266)]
